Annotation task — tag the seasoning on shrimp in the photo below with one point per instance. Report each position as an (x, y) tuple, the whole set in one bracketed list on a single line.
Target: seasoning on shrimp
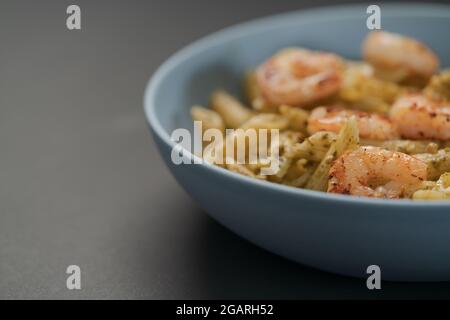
[(419, 117), (375, 172), (298, 77), (371, 125)]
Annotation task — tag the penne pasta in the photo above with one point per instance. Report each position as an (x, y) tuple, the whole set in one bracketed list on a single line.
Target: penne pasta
[(347, 139), (233, 112), (209, 118)]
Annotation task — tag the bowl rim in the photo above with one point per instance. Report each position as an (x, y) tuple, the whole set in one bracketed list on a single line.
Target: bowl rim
[(258, 25)]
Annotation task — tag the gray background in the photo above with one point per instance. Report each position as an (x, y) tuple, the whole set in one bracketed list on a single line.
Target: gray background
[(81, 181)]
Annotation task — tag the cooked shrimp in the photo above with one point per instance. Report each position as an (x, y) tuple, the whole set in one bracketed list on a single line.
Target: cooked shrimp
[(419, 117), (393, 51), (376, 172), (298, 77), (371, 126)]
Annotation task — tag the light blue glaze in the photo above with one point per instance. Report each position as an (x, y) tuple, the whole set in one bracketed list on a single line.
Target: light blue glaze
[(409, 240)]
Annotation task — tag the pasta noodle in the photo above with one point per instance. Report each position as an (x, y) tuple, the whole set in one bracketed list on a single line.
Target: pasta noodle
[(347, 139), (230, 109)]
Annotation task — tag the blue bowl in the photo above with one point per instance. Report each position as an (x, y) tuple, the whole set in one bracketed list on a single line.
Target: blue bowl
[(409, 241)]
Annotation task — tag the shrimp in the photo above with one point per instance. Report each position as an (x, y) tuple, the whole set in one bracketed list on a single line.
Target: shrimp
[(393, 51), (371, 126), (298, 77), (375, 172), (419, 117)]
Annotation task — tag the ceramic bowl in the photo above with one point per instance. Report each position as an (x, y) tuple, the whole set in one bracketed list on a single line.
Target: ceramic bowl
[(409, 241)]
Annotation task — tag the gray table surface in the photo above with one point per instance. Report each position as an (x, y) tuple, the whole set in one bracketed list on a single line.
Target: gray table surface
[(81, 181)]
